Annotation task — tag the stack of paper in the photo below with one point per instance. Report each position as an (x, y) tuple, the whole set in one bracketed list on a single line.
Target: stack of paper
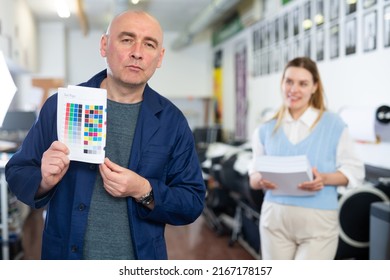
[(81, 122), (287, 172)]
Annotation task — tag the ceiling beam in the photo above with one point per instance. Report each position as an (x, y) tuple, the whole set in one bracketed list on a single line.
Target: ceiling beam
[(82, 17)]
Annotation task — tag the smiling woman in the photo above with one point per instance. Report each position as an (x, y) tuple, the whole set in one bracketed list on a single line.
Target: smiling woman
[(308, 224)]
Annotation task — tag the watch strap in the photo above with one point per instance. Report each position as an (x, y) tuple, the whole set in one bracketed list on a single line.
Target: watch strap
[(146, 199)]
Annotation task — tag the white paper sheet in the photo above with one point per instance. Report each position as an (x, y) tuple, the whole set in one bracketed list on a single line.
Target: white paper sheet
[(287, 172), (81, 122)]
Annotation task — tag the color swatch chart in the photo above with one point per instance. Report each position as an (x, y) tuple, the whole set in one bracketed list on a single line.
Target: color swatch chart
[(81, 122), (93, 129), (73, 122)]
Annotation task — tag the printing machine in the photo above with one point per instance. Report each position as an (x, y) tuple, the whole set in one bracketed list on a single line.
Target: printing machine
[(15, 127)]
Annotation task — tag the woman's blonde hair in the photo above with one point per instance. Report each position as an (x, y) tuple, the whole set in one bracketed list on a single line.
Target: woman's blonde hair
[(317, 99)]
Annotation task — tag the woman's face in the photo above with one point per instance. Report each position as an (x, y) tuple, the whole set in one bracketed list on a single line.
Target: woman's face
[(297, 89)]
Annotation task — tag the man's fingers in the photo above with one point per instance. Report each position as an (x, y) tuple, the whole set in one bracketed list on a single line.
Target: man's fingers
[(58, 146)]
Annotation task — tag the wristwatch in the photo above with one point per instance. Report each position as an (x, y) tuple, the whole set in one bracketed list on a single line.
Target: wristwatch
[(146, 199)]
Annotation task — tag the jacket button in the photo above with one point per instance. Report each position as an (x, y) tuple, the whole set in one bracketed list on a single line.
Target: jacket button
[(92, 166), (74, 248), (81, 207)]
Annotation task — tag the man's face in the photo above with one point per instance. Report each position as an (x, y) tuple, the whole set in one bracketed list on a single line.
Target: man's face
[(133, 48)]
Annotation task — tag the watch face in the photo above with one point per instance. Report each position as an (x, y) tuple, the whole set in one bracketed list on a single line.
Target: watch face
[(146, 199)]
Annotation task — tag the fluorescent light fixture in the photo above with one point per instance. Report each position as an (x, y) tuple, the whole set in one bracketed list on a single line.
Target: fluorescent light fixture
[(7, 88), (63, 10)]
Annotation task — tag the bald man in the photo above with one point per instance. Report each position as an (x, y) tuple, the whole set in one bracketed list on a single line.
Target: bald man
[(150, 176)]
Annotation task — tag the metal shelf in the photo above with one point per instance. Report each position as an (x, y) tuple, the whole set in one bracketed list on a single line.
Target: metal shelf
[(4, 213)]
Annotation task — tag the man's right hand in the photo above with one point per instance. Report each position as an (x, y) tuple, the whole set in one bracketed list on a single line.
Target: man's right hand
[(55, 163)]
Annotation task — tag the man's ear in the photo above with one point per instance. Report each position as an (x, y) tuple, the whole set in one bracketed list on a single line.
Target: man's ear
[(103, 45), (161, 57)]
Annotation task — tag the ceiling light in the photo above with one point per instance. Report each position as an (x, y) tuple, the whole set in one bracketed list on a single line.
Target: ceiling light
[(62, 8), (135, 2), (319, 19), (307, 24)]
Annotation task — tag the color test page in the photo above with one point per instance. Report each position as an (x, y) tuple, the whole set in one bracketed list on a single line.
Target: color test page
[(81, 122)]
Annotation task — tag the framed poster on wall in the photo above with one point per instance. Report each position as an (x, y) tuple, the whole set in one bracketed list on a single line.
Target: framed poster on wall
[(286, 25), (296, 48), (261, 36), (350, 36), (264, 62), (386, 26), (296, 21), (369, 31), (369, 3), (269, 29), (276, 30), (256, 40), (285, 53), (307, 21), (307, 46), (319, 17), (320, 44), (350, 7), (334, 41), (217, 94), (334, 9), (241, 91), (276, 58)]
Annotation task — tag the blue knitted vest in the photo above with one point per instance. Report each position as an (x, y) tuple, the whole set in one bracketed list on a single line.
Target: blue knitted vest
[(320, 147)]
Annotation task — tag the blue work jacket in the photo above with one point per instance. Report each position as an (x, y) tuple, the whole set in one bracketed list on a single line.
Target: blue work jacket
[(163, 152)]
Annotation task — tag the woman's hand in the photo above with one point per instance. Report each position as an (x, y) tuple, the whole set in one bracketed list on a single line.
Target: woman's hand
[(256, 182), (316, 185)]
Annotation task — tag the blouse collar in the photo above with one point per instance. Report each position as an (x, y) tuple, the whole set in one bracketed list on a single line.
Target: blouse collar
[(308, 117)]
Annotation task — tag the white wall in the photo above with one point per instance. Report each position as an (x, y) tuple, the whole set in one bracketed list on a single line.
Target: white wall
[(18, 35), (84, 58), (357, 80), (51, 63), (183, 74), (52, 50)]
